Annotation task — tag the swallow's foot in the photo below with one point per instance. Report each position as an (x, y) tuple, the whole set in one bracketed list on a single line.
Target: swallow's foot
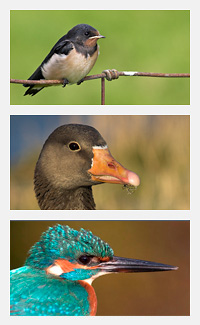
[(111, 74), (80, 81), (65, 82)]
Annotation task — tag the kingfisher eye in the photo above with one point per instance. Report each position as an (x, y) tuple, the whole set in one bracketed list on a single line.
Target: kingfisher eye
[(74, 146), (85, 259)]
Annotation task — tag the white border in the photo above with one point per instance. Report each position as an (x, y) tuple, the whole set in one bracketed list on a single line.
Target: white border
[(195, 156)]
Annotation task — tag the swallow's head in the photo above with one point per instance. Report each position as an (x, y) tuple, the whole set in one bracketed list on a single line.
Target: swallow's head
[(84, 34)]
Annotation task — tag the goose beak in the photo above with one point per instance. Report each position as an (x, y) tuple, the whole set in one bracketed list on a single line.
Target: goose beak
[(128, 265), (107, 170)]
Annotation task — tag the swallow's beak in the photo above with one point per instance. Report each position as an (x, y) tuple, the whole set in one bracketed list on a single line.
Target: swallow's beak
[(97, 37), (92, 41), (128, 265), (106, 169), (101, 36)]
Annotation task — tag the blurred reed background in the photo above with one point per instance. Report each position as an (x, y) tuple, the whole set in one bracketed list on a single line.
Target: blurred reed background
[(157, 148), (162, 293), (136, 40)]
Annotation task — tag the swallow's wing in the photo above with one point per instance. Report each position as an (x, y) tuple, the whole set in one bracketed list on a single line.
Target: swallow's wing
[(37, 75), (33, 293), (63, 46)]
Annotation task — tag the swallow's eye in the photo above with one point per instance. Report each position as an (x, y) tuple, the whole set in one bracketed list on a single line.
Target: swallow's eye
[(85, 259), (74, 146), (87, 33)]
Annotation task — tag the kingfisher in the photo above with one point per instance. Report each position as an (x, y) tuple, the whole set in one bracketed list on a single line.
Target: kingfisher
[(56, 279)]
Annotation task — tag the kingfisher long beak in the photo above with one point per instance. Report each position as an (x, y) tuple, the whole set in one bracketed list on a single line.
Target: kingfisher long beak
[(106, 169), (128, 265)]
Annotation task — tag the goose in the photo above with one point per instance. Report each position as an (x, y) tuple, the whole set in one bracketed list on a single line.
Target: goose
[(73, 159)]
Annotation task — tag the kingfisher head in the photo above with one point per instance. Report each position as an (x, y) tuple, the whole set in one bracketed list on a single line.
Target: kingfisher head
[(79, 255), (68, 253)]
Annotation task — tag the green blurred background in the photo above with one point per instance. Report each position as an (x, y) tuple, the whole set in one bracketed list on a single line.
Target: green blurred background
[(162, 293), (157, 148), (139, 40)]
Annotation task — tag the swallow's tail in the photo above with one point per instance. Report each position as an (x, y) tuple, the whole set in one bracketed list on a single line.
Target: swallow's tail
[(33, 90)]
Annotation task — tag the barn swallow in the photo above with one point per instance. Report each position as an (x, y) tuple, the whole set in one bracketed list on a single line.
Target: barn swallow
[(71, 58)]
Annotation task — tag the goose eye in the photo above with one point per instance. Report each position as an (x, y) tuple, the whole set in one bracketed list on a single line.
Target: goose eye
[(74, 146), (85, 259)]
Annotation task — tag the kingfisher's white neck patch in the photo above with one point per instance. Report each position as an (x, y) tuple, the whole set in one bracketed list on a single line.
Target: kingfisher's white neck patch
[(55, 270), (90, 280), (100, 147)]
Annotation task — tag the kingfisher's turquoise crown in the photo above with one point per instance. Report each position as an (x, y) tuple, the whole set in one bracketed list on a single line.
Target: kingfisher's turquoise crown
[(64, 242)]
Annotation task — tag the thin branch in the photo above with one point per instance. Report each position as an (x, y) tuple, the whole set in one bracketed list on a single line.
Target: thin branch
[(103, 75)]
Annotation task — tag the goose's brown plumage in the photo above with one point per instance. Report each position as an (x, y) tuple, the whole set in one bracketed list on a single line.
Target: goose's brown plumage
[(73, 159)]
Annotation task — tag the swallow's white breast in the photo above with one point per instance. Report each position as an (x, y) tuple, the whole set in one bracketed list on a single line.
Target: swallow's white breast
[(72, 67)]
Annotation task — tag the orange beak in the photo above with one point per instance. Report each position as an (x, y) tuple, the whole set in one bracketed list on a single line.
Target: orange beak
[(106, 169)]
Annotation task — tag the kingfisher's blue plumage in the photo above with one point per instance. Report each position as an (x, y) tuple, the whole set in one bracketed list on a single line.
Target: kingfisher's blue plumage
[(57, 276), (35, 293)]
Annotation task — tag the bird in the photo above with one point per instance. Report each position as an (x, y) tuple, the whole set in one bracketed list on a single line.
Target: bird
[(73, 159), (57, 277), (70, 59)]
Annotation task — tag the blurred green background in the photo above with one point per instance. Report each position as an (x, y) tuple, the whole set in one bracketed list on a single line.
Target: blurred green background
[(157, 148), (159, 293), (139, 40)]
